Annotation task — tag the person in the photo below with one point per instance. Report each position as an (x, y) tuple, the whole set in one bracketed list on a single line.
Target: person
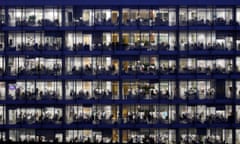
[(112, 68), (103, 115), (72, 93), (74, 69), (229, 92)]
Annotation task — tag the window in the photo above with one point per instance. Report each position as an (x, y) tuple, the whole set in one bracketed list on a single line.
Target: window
[(187, 65), (167, 89), (183, 17), (144, 17), (102, 17), (238, 15), (33, 16), (223, 16), (167, 41), (2, 16), (130, 17), (52, 17), (87, 17), (49, 90)]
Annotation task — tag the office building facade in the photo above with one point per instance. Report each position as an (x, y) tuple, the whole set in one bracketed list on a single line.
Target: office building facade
[(164, 72)]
